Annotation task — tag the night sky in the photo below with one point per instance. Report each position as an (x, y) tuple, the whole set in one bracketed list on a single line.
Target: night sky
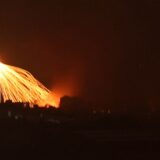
[(107, 52)]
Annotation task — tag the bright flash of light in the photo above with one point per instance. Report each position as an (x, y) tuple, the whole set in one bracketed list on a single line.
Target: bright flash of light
[(18, 85)]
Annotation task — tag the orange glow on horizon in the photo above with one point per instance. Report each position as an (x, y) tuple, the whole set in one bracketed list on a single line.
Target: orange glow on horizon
[(70, 81), (68, 85)]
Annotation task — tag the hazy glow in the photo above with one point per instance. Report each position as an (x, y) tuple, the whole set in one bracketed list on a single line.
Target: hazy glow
[(18, 85)]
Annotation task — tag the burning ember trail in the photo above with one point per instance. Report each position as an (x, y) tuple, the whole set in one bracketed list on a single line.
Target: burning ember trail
[(18, 85)]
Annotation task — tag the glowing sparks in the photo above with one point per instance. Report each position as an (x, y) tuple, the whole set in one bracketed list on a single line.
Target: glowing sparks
[(18, 85)]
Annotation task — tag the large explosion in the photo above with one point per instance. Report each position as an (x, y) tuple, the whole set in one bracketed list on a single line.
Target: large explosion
[(18, 85)]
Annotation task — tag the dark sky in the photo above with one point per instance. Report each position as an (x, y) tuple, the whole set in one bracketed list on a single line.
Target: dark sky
[(109, 50)]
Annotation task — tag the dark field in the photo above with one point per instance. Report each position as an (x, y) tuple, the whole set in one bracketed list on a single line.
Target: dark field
[(36, 139)]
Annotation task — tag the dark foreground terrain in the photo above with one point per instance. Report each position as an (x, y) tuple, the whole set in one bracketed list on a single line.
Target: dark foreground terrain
[(77, 133), (38, 139)]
